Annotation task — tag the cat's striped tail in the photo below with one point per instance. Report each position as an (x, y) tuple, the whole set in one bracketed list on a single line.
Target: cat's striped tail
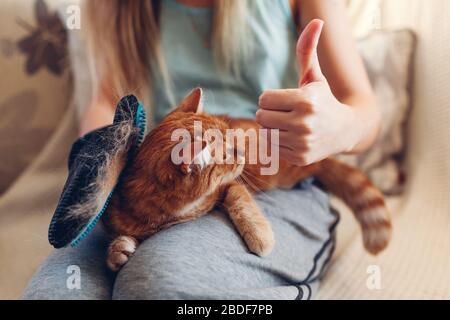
[(366, 201)]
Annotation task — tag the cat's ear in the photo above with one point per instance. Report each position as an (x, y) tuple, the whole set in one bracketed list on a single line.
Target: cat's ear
[(192, 102), (195, 153)]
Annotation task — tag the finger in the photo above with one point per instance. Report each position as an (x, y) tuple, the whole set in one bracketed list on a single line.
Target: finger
[(281, 138), (278, 99), (274, 119), (291, 156), (307, 57), (289, 139), (287, 100)]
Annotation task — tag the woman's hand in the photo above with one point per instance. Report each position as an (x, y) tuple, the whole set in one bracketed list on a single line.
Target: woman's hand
[(313, 124)]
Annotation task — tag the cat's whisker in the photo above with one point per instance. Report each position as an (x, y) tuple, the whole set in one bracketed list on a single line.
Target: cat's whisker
[(247, 181), (251, 184), (248, 174), (240, 180), (261, 192), (255, 187)]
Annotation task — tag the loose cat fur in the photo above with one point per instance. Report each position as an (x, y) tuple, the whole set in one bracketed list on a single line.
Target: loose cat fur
[(154, 193)]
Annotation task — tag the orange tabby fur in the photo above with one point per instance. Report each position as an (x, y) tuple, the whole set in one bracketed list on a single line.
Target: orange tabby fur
[(154, 193)]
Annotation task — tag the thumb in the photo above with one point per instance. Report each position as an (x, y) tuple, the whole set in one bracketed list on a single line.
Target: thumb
[(307, 58)]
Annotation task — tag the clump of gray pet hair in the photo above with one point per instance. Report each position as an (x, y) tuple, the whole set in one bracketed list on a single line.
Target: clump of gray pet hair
[(108, 173)]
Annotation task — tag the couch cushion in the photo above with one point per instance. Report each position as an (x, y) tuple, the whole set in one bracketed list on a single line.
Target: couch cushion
[(388, 57), (35, 84)]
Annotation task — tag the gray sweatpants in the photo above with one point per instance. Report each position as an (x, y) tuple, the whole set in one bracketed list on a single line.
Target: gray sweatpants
[(204, 259)]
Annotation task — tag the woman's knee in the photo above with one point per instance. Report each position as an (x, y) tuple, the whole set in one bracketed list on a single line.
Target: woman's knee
[(73, 273), (183, 262), (159, 272), (61, 279)]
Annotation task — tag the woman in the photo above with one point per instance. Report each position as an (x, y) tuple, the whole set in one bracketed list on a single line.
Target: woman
[(241, 52)]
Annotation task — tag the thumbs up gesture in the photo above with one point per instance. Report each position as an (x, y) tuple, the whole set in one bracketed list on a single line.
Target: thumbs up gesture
[(313, 124)]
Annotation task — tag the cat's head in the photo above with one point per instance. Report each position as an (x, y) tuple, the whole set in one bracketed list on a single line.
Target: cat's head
[(181, 152)]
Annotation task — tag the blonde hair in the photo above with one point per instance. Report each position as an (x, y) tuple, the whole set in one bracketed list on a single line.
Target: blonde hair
[(124, 42)]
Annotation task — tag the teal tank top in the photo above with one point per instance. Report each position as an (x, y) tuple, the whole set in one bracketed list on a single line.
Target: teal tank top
[(190, 63)]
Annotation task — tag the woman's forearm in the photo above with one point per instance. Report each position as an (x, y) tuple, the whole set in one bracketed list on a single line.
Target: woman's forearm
[(366, 122), (98, 114)]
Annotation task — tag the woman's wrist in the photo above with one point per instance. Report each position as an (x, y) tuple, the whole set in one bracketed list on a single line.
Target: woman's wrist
[(363, 125), (97, 115)]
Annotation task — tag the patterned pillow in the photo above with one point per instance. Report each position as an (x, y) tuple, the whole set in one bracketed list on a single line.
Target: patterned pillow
[(388, 57), (35, 84)]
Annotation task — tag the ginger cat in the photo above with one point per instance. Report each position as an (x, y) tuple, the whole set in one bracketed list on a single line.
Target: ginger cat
[(154, 193)]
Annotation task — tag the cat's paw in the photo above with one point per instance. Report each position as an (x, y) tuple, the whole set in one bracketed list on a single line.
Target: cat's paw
[(260, 239), (120, 251)]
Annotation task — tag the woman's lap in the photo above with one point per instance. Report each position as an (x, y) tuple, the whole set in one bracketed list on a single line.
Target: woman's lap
[(206, 258), (57, 277)]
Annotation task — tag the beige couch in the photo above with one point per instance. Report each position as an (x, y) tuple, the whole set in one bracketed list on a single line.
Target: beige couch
[(417, 265), (40, 128)]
